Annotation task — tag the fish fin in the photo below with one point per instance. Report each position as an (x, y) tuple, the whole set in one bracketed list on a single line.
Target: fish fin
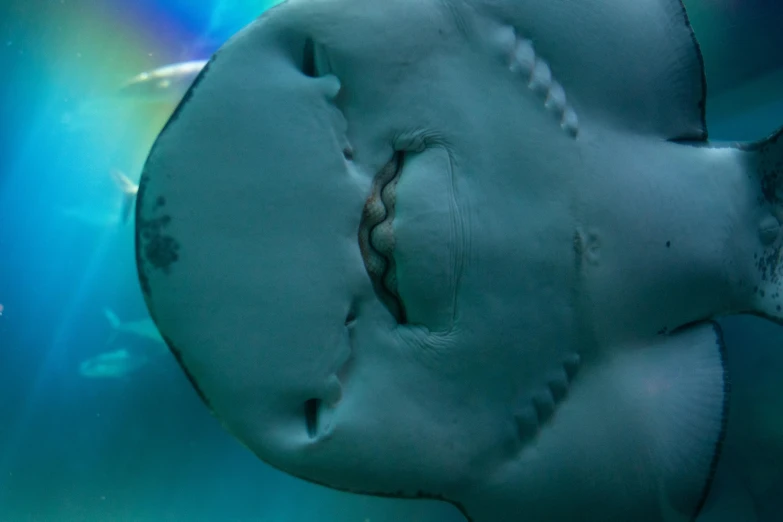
[(651, 422), (114, 321), (686, 390), (129, 191), (115, 324), (766, 161), (127, 204)]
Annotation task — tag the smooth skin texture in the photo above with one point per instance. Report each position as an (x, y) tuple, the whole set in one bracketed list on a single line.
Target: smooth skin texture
[(466, 250)]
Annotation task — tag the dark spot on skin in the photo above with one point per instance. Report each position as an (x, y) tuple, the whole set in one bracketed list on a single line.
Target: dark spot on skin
[(151, 245), (154, 248), (348, 154), (770, 181), (777, 308), (668, 244), (159, 249), (663, 331), (768, 264), (143, 279), (768, 163)]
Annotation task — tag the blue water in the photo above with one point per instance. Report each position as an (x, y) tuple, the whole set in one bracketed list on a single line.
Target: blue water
[(144, 448)]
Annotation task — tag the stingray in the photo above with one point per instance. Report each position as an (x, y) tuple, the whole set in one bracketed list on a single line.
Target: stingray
[(469, 250)]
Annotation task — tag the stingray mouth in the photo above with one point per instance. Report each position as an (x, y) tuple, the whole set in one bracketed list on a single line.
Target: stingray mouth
[(412, 236), (376, 236)]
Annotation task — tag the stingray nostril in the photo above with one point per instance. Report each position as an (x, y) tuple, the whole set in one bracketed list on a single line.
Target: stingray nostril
[(308, 59), (315, 63), (311, 407)]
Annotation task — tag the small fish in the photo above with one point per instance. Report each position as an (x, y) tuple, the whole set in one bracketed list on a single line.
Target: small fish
[(167, 83), (117, 364), (145, 341)]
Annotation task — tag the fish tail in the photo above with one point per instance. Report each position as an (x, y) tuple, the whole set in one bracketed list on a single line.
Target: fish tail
[(114, 321), (129, 190), (766, 162), (115, 324), (127, 205)]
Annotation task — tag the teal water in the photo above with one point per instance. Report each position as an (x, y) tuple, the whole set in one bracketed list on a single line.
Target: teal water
[(140, 446)]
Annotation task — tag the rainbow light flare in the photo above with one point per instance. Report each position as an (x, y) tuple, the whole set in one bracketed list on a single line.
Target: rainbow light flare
[(89, 49), (68, 59)]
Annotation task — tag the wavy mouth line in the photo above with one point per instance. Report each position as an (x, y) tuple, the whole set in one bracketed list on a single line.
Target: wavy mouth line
[(376, 236)]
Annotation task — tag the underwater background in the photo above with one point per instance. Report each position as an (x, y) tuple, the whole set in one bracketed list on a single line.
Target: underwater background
[(97, 422)]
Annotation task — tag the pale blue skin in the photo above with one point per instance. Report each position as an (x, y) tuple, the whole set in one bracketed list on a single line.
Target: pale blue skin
[(557, 255)]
